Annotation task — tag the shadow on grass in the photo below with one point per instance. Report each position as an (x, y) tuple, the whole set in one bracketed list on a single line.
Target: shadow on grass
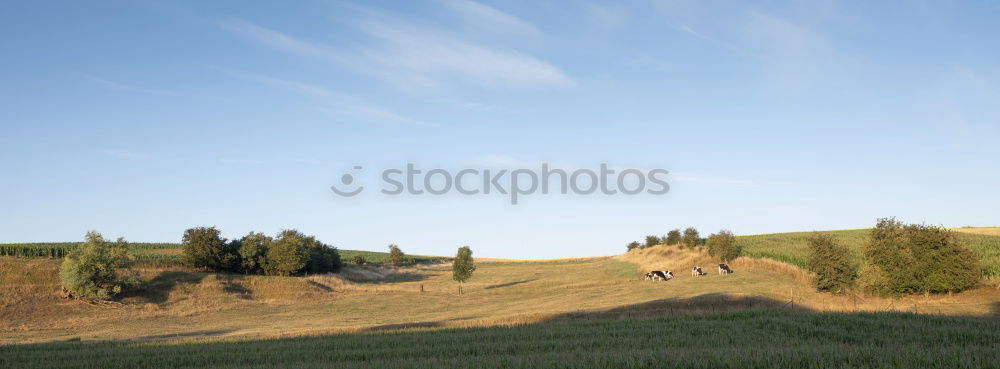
[(320, 286), (411, 325), (231, 286), (205, 333), (158, 289), (508, 284), (707, 304)]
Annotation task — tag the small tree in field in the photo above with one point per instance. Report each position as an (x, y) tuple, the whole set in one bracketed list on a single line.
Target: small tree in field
[(723, 246), (205, 248), (358, 260), (835, 270), (917, 258), (651, 241), (396, 256), (691, 237), (293, 252), (633, 245), (463, 266), (673, 237), (98, 268), (253, 252)]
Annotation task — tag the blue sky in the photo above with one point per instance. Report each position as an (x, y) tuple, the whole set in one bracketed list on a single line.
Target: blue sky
[(141, 119)]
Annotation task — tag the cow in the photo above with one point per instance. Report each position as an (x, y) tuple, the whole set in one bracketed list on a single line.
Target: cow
[(724, 269), (660, 275), (648, 276), (696, 271)]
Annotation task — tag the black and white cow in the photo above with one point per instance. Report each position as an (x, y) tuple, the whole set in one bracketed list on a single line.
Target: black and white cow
[(660, 275), (696, 271), (724, 269)]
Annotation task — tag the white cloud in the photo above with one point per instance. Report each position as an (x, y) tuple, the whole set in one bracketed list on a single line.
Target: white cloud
[(418, 57), (124, 154), (491, 19), (605, 16), (332, 102), (795, 57)]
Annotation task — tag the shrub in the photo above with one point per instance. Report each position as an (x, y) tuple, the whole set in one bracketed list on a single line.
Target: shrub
[(723, 246), (691, 237), (98, 268), (253, 252), (632, 245), (396, 256), (358, 260), (463, 266), (673, 237), (651, 241), (293, 253), (204, 248), (917, 258), (833, 264)]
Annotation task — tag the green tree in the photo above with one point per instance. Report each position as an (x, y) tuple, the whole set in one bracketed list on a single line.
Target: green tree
[(673, 237), (651, 241), (463, 266), (691, 237), (396, 255), (633, 245), (358, 260), (293, 253), (723, 246), (98, 268), (205, 248), (833, 264), (253, 252), (917, 258)]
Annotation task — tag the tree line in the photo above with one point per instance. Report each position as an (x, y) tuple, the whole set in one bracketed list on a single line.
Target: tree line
[(721, 245), (290, 252)]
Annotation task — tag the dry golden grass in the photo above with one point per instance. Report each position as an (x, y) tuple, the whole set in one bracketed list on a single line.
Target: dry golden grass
[(181, 303), (989, 231)]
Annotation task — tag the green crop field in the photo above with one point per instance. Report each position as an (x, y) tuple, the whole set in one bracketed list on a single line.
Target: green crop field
[(792, 247), (761, 339)]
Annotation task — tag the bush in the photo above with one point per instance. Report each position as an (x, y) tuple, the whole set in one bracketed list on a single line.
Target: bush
[(293, 253), (358, 260), (723, 246), (691, 237), (633, 245), (673, 237), (651, 241), (204, 248), (396, 256), (98, 268), (833, 264), (917, 258), (253, 252)]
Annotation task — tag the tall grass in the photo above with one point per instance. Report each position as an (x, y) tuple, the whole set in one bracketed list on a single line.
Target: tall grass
[(759, 339), (793, 247)]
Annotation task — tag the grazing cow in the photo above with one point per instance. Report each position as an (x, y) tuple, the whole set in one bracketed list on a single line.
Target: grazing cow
[(648, 276), (696, 271), (724, 269), (660, 275)]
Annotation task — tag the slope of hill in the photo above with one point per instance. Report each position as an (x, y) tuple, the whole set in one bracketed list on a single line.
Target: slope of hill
[(180, 303)]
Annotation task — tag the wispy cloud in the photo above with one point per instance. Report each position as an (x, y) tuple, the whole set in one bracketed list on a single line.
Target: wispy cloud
[(485, 17), (795, 57), (417, 57), (332, 102), (124, 154), (605, 16)]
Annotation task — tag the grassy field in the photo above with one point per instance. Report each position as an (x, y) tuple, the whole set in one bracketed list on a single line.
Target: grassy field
[(188, 304), (759, 339), (792, 247)]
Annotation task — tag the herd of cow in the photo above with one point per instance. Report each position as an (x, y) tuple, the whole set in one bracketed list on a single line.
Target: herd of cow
[(666, 275)]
